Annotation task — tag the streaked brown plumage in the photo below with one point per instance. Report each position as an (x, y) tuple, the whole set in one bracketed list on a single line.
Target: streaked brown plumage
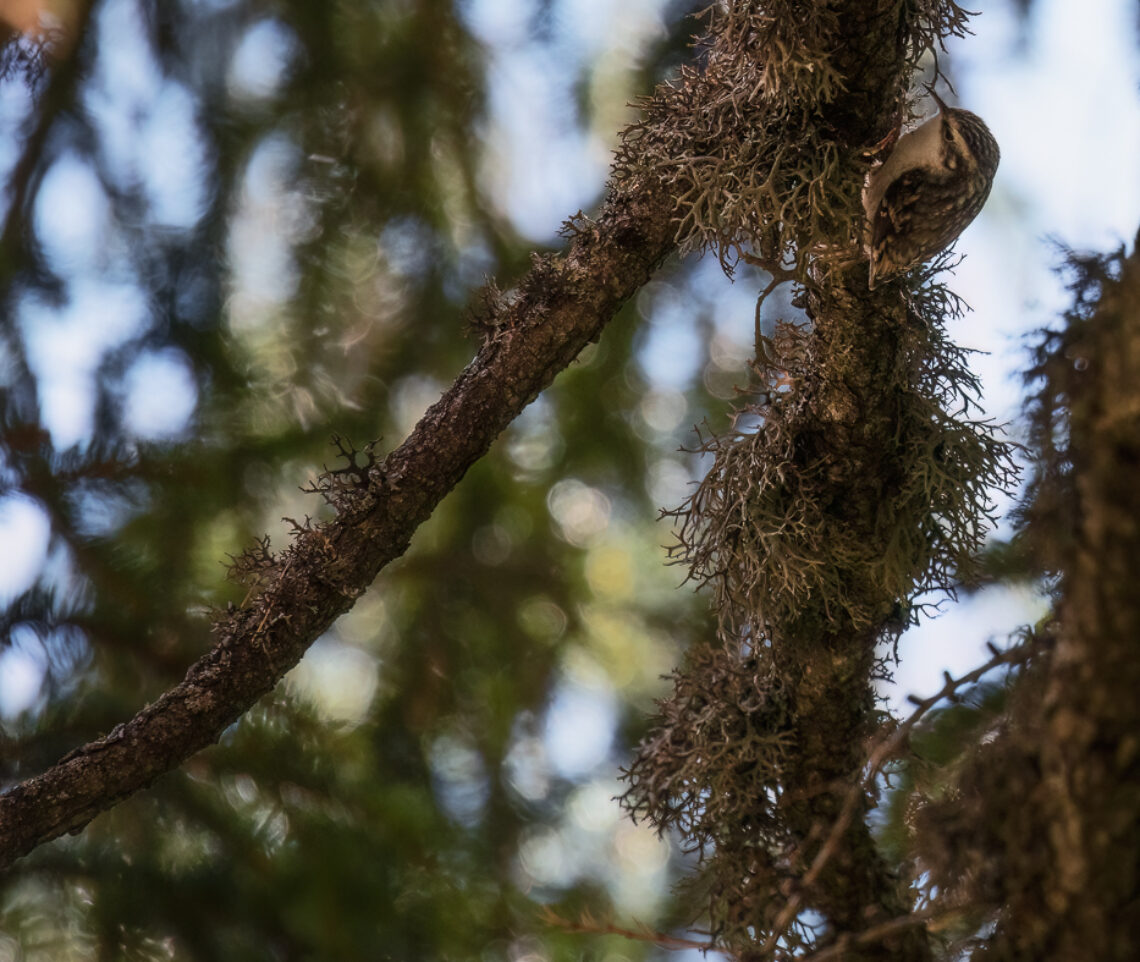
[(925, 194)]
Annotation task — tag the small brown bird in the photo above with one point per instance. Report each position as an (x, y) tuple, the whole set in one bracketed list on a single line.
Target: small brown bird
[(928, 190)]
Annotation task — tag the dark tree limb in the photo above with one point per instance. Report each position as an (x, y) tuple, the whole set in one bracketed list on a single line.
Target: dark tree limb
[(1069, 828), (859, 492), (532, 334)]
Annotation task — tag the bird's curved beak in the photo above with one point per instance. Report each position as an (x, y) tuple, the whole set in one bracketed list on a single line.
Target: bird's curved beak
[(934, 94)]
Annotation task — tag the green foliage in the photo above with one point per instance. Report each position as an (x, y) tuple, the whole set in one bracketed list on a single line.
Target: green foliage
[(381, 803)]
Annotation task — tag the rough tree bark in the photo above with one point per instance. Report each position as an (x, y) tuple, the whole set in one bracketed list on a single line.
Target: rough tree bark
[(1073, 886)]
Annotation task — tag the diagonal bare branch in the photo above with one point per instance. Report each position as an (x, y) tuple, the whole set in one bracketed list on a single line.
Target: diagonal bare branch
[(533, 333)]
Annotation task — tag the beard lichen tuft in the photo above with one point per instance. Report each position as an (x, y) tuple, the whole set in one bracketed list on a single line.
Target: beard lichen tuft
[(757, 143), (833, 509), (771, 528), (812, 532)]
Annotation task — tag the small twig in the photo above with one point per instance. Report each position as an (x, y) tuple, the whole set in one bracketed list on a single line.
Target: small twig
[(779, 275), (876, 933), (886, 748), (586, 923)]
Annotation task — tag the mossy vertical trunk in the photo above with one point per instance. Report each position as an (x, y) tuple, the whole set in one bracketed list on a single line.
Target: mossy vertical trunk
[(1077, 896), (863, 486)]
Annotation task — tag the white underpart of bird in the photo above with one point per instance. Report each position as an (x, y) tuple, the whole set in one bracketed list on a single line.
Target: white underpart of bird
[(921, 147)]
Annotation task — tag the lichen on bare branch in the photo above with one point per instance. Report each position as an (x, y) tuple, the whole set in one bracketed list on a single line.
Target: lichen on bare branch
[(753, 143), (837, 499), (761, 529)]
